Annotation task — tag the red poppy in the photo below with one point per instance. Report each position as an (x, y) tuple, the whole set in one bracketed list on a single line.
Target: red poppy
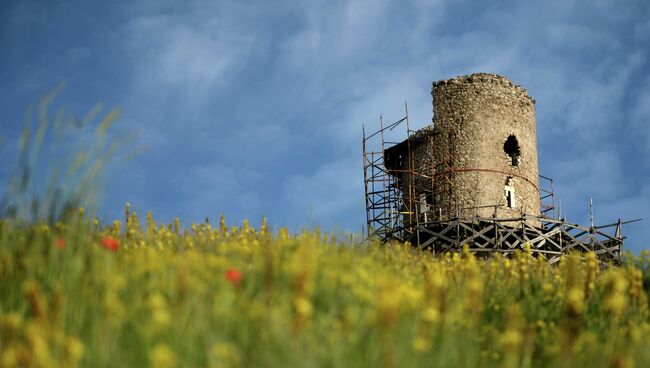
[(234, 277), (110, 243), (59, 243)]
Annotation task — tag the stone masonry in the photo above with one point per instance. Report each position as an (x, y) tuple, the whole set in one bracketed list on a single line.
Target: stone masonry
[(479, 156)]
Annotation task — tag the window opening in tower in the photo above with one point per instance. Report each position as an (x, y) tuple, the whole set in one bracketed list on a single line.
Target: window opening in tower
[(510, 196), (511, 147), (509, 192)]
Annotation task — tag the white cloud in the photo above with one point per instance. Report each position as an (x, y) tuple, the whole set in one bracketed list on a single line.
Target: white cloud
[(211, 189), (26, 12), (79, 53), (629, 206), (595, 173), (187, 57), (328, 195), (640, 116), (336, 34)]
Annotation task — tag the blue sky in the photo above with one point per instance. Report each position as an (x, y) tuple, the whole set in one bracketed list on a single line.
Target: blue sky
[(255, 108)]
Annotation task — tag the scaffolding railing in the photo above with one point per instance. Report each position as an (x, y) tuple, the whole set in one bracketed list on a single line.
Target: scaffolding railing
[(547, 197), (485, 235)]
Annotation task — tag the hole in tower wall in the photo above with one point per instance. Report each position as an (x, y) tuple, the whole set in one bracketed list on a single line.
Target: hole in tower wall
[(511, 147)]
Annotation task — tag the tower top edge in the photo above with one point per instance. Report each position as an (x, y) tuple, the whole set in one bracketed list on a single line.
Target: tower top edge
[(483, 78)]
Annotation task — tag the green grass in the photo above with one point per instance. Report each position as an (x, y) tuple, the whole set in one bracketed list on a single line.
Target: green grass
[(245, 297)]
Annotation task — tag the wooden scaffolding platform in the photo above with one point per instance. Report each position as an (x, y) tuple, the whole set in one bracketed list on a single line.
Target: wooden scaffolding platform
[(488, 235)]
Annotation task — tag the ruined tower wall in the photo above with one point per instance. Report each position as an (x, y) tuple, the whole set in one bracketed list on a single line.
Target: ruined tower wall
[(473, 117), (420, 168)]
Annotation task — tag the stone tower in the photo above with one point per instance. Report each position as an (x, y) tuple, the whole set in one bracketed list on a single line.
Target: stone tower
[(471, 179), (478, 158), (484, 148)]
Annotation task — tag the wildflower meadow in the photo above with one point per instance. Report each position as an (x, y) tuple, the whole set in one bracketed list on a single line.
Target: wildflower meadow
[(140, 293)]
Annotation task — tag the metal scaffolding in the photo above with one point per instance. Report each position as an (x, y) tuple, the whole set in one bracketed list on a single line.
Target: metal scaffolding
[(383, 197), (404, 213)]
